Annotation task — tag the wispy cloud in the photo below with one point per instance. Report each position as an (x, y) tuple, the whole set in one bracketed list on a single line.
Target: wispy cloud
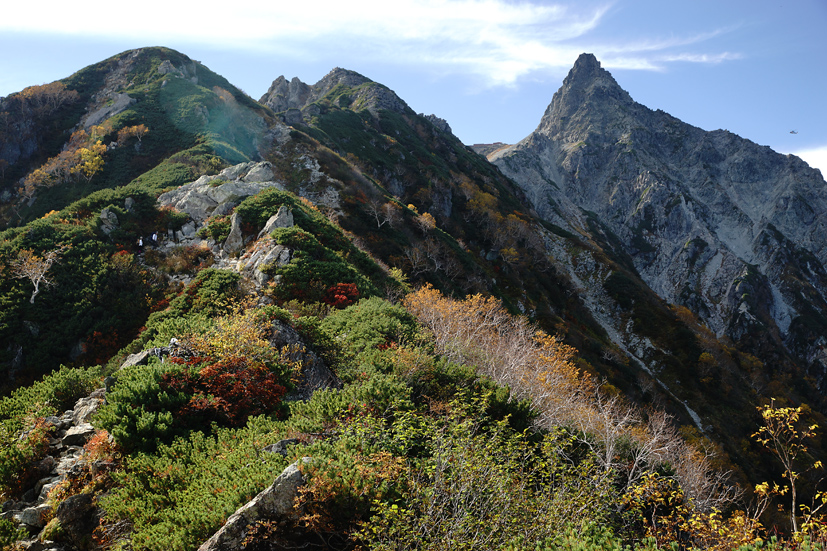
[(498, 40), (816, 157)]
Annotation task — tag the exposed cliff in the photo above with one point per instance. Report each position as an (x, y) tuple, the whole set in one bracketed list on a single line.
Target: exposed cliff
[(712, 221)]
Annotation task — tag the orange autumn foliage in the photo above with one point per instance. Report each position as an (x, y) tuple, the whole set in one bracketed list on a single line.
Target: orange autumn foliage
[(540, 368)]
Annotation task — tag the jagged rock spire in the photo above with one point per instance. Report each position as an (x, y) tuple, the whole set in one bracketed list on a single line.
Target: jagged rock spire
[(587, 86)]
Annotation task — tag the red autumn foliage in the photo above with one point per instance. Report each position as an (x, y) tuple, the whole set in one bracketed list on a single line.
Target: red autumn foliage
[(341, 295), (229, 390)]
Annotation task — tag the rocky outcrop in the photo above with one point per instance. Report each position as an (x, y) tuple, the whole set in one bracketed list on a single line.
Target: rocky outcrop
[(296, 99), (108, 221), (200, 199), (118, 103), (273, 503), (69, 433), (235, 240), (284, 95), (282, 219), (703, 215), (439, 123)]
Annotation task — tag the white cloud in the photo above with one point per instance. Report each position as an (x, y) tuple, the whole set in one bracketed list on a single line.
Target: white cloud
[(815, 157), (498, 40)]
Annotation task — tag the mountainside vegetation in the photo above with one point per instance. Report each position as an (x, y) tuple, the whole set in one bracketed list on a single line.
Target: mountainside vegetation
[(204, 297)]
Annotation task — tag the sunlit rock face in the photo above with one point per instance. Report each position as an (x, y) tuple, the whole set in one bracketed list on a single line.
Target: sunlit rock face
[(726, 227)]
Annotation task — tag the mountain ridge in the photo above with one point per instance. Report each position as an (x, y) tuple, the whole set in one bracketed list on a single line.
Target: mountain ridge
[(302, 211)]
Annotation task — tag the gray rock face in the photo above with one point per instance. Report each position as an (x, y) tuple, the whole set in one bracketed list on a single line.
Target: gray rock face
[(441, 124), (84, 409), (284, 95), (200, 199), (282, 219), (272, 503), (78, 435), (728, 228), (235, 240), (281, 446), (33, 517), (296, 95), (119, 103), (139, 358)]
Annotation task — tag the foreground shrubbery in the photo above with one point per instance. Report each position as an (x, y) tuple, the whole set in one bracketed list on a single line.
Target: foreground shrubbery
[(458, 426)]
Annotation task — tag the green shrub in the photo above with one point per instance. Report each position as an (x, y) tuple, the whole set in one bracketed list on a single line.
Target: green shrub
[(10, 533), (139, 413), (177, 497), (487, 489), (52, 395), (371, 323)]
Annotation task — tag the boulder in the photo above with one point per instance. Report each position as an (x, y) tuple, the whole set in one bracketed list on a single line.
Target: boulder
[(67, 462), (280, 447), (33, 517), (109, 221), (235, 240), (262, 172), (78, 435), (282, 219), (272, 503), (84, 408), (78, 516), (139, 358), (234, 172), (188, 230)]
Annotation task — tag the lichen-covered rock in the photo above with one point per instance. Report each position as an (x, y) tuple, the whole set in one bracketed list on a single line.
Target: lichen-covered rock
[(109, 221), (85, 408), (199, 199), (139, 358), (33, 517), (78, 516)]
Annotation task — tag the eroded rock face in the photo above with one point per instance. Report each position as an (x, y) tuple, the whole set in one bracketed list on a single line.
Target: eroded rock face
[(712, 221)]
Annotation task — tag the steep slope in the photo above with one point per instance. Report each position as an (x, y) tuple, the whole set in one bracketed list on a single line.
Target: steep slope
[(711, 221)]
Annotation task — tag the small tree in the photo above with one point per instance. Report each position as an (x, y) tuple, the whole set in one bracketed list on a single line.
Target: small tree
[(30, 266), (783, 435)]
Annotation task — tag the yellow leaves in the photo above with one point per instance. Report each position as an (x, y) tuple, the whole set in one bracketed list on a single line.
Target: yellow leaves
[(81, 156), (425, 222), (239, 334), (90, 160), (138, 131), (782, 436)]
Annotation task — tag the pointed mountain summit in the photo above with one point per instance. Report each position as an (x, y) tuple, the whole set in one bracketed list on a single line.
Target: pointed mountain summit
[(587, 85), (711, 221)]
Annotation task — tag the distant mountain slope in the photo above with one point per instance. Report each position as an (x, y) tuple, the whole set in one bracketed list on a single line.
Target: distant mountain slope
[(711, 221)]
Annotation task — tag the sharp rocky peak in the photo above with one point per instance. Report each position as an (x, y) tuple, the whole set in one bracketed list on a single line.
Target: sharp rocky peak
[(586, 89)]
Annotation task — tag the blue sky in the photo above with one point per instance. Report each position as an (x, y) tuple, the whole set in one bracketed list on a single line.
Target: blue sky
[(489, 67)]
